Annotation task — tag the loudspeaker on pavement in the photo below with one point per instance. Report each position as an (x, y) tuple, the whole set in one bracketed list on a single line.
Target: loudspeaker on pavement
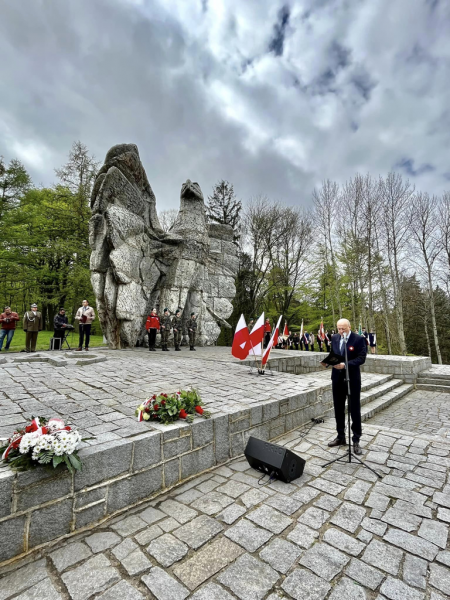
[(274, 460)]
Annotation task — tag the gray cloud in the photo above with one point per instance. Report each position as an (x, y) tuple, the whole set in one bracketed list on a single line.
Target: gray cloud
[(272, 95)]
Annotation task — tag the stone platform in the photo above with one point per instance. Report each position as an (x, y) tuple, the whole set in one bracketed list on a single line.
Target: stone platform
[(127, 462)]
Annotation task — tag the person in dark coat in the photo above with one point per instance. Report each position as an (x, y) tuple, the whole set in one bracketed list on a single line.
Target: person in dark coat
[(165, 324), (177, 326), (296, 340), (267, 332), (32, 325), (60, 323), (357, 352), (192, 330)]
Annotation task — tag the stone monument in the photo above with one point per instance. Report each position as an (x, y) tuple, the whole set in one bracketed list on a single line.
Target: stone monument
[(135, 265)]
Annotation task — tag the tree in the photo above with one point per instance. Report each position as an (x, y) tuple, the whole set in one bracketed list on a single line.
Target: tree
[(167, 218), (14, 182), (223, 207)]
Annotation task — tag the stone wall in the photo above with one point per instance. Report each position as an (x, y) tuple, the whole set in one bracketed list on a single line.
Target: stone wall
[(406, 368), (40, 506)]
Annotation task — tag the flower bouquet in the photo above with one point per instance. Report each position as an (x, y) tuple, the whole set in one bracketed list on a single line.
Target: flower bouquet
[(45, 442), (167, 408)]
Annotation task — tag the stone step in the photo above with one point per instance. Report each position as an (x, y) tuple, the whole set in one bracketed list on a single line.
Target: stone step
[(379, 390), (433, 380), (368, 385), (381, 402), (433, 387), (432, 375)]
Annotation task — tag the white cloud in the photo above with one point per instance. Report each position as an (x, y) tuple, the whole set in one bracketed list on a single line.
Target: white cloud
[(212, 89)]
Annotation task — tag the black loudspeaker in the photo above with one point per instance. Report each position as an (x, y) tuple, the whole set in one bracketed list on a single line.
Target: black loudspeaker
[(272, 459)]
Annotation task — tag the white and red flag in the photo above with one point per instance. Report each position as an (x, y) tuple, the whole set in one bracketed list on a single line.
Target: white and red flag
[(241, 341), (322, 331), (257, 336), (301, 331), (273, 341), (286, 330)]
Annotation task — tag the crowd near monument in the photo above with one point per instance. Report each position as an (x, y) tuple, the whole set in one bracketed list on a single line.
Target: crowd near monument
[(136, 266)]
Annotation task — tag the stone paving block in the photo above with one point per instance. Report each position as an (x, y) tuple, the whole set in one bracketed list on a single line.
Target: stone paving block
[(285, 504), (324, 560), (385, 557), (233, 488), (442, 499), (270, 519), (125, 548), (444, 557), (357, 492), (402, 519), (182, 513), (249, 578), (247, 535), (347, 589), (411, 543), (164, 587), (327, 486), (128, 525), (167, 549), (303, 536), (90, 578), (102, 541), (377, 501), (188, 496), (343, 542), (280, 554), (212, 591), (415, 571), (50, 522), (394, 589), (414, 509), (434, 532), (43, 589), (348, 516), (152, 515), (136, 563), (364, 536), (440, 578), (122, 591), (22, 578), (169, 524), (303, 585), (197, 532), (149, 534), (12, 537), (253, 497), (231, 514), (306, 494), (364, 574), (207, 562), (66, 556), (314, 517), (212, 503), (327, 502)]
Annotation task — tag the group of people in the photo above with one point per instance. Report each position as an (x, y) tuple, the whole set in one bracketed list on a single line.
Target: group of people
[(33, 323), (167, 323), (308, 341)]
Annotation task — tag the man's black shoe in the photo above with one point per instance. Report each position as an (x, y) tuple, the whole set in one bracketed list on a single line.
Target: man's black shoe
[(337, 442), (357, 448)]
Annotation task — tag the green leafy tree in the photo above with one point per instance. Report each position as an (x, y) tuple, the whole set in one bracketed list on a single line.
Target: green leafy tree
[(223, 207), (14, 182)]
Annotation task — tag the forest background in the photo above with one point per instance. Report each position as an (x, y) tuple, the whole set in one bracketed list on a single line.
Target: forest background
[(374, 250)]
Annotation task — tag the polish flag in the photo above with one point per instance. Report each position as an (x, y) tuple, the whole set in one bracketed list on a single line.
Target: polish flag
[(322, 331), (286, 330), (257, 336), (241, 341), (273, 342)]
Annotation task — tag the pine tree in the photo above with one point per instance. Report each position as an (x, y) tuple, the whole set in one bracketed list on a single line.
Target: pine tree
[(223, 207)]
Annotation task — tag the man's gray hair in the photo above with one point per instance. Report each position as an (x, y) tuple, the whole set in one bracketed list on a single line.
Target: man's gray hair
[(344, 321)]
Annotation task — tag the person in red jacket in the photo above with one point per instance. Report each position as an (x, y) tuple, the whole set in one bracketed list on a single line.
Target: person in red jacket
[(8, 320), (267, 332), (152, 326)]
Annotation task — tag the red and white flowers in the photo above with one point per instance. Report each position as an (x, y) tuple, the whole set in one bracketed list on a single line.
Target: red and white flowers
[(167, 408), (48, 442)]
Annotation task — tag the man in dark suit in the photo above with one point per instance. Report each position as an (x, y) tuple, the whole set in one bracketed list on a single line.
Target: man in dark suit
[(356, 351)]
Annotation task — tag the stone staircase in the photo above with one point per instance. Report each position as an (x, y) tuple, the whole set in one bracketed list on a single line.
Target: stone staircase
[(433, 382), (380, 394)]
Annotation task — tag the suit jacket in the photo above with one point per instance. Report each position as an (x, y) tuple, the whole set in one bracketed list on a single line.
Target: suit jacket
[(32, 322), (356, 351)]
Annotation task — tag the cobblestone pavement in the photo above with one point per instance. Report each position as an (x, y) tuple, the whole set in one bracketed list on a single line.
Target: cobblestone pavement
[(419, 412), (338, 533)]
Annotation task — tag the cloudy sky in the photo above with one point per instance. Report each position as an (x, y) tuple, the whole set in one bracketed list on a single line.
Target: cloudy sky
[(272, 95)]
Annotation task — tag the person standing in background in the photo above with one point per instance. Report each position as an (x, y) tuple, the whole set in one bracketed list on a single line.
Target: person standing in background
[(85, 315), (319, 340), (32, 325), (192, 331), (373, 341), (267, 333), (8, 319), (296, 340), (311, 341), (177, 326), (152, 326), (165, 323), (306, 340), (60, 323)]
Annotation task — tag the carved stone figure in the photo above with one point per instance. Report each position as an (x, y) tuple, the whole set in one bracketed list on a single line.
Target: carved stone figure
[(135, 265)]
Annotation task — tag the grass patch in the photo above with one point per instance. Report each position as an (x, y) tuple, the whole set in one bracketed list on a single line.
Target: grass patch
[(43, 341)]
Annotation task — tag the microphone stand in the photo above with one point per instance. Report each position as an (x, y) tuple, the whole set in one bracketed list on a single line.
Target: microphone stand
[(349, 454)]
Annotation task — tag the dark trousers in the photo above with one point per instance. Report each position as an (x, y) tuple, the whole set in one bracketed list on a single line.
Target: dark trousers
[(312, 347), (152, 337), (85, 334), (339, 396), (192, 338), (165, 336), (59, 333), (176, 337), (301, 345), (320, 346), (267, 337), (296, 345), (306, 346), (30, 340)]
